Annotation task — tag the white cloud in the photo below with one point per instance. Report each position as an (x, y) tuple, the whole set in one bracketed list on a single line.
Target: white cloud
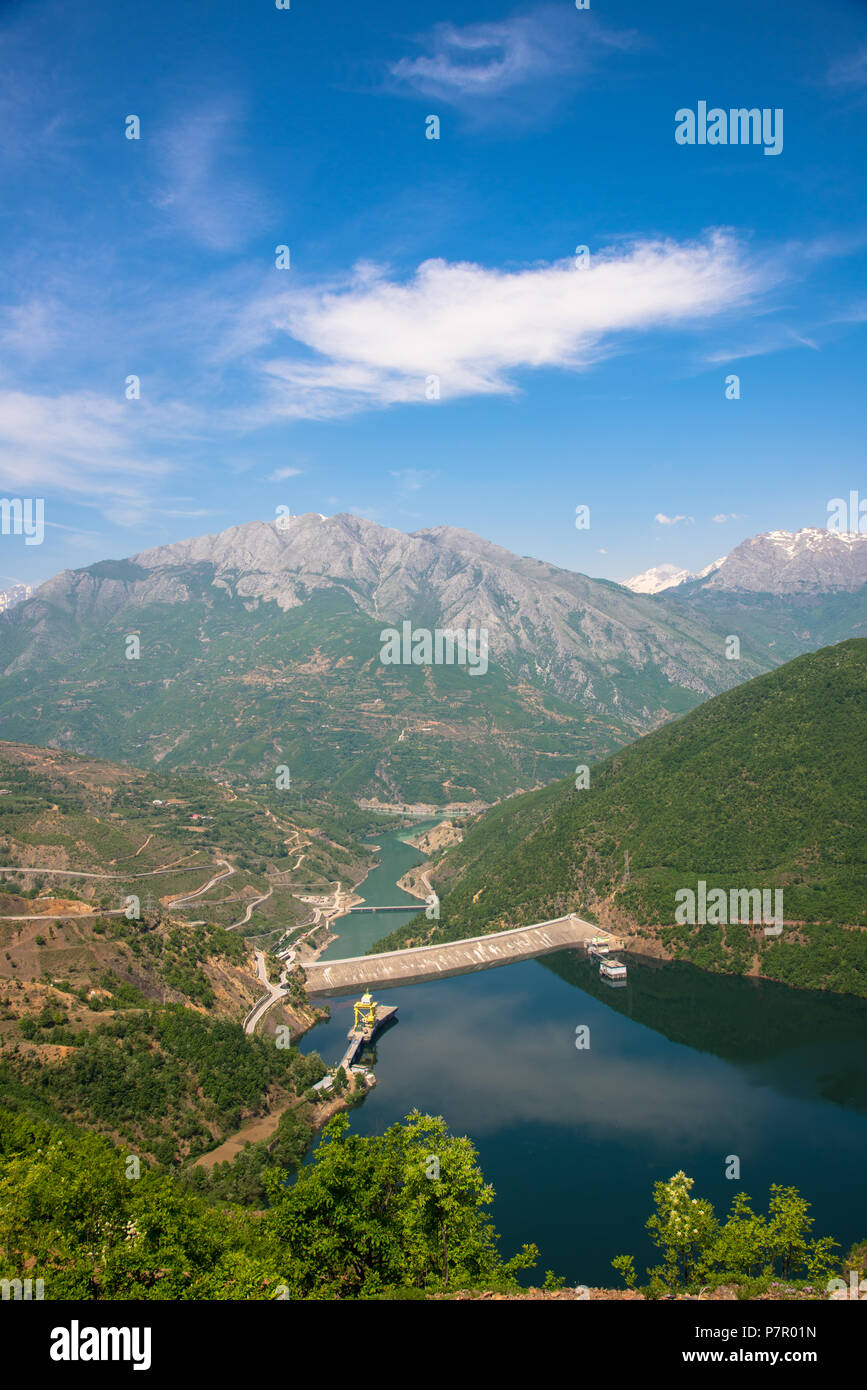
[(83, 445), (375, 340), (662, 520), (728, 516), (281, 474), (189, 512)]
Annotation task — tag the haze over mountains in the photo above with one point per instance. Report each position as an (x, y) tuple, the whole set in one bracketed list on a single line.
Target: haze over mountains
[(261, 645)]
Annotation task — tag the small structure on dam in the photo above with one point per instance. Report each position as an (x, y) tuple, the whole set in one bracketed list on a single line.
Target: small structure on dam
[(369, 1019)]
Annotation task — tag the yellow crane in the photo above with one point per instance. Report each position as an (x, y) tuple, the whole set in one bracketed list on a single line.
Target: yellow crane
[(365, 1012)]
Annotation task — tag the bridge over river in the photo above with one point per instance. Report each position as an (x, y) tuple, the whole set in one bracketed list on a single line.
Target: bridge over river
[(392, 907), (418, 963)]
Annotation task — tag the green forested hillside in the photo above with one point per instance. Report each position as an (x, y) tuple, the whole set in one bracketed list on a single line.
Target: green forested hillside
[(224, 687), (762, 787), (362, 1219), (168, 1081)]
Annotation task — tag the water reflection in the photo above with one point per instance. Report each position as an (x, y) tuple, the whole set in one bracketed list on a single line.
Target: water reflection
[(564, 1132), (684, 1068)]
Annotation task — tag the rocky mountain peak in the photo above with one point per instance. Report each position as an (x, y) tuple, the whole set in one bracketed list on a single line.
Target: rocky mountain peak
[(791, 562)]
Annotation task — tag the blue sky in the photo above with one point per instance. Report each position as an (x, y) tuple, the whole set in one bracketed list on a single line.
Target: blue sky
[(412, 257)]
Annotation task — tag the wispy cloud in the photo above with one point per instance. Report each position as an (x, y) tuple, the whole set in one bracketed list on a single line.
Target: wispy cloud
[(471, 66), (97, 450), (375, 341), (662, 520), (34, 129), (850, 71), (202, 188), (31, 329), (281, 474), (775, 339), (728, 516), (413, 479)]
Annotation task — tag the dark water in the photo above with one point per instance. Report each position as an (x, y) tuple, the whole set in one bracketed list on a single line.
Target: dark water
[(683, 1070)]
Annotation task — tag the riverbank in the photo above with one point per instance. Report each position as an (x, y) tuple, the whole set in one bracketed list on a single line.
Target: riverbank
[(263, 1127), (685, 1064), (428, 842)]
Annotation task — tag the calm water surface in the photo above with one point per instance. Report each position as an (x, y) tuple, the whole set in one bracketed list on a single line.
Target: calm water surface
[(684, 1069)]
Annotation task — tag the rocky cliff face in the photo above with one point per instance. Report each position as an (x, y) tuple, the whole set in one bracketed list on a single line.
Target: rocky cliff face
[(804, 562)]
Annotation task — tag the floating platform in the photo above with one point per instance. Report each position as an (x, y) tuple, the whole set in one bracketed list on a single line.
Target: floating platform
[(359, 1038)]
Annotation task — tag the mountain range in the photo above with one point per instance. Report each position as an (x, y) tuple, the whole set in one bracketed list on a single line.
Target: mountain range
[(260, 647)]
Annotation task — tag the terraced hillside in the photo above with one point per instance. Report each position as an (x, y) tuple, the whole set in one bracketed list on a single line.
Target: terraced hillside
[(128, 1019), (97, 832)]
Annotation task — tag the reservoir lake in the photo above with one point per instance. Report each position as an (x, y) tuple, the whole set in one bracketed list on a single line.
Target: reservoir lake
[(684, 1070)]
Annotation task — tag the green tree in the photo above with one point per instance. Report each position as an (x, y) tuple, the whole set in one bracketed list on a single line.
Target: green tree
[(747, 1248), (366, 1216), (681, 1227)]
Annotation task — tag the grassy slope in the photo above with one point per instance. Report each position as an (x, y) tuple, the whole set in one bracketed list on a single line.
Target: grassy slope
[(761, 787)]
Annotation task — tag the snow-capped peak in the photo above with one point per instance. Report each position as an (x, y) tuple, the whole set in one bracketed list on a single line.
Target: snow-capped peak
[(653, 581), (775, 562)]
